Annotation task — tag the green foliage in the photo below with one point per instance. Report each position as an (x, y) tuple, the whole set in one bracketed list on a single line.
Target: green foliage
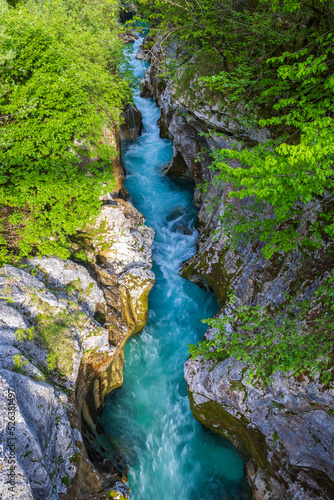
[(297, 339), (51, 360), (275, 437), (19, 363), (9, 300), (271, 66), (285, 175), (55, 333), (74, 458), (66, 480), (22, 334), (60, 88)]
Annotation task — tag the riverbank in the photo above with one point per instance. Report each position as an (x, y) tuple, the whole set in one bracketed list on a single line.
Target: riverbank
[(169, 454), (83, 316), (283, 428)]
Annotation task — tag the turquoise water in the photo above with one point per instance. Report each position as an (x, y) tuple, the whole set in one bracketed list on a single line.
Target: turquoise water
[(170, 455)]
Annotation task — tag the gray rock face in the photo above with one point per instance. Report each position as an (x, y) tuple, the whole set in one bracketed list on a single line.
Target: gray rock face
[(47, 315), (132, 125), (38, 442), (122, 240), (289, 422), (284, 431)]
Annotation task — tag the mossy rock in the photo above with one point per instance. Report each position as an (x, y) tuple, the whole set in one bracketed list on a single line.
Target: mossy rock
[(250, 443), (213, 274)]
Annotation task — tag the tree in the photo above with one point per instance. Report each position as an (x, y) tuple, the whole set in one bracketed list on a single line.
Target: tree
[(60, 87), (274, 60)]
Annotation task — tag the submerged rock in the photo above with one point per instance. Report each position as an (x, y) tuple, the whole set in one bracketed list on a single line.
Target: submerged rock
[(183, 230), (141, 55)]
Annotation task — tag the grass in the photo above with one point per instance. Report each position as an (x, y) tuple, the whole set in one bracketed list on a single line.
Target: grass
[(55, 333)]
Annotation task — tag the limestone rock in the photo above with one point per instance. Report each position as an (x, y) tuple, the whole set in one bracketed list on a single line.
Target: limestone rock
[(38, 443), (132, 125), (289, 419), (135, 287), (63, 314), (284, 431), (141, 56), (73, 278), (49, 307), (122, 240), (128, 37), (146, 84), (42, 444)]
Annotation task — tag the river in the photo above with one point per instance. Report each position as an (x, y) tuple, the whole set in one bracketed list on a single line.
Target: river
[(170, 455)]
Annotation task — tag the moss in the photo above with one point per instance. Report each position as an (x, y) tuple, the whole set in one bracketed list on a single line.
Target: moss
[(236, 385), (38, 378), (147, 45), (114, 494), (54, 331), (96, 333), (74, 458), (275, 437), (66, 480), (214, 274), (251, 443), (74, 286), (90, 289), (279, 406), (186, 78)]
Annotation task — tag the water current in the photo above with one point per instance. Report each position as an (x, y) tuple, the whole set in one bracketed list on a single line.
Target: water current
[(170, 455)]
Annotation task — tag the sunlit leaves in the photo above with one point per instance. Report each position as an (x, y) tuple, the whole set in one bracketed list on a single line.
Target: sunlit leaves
[(295, 340), (60, 88)]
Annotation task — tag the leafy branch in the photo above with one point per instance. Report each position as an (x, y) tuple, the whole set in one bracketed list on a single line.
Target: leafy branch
[(298, 339)]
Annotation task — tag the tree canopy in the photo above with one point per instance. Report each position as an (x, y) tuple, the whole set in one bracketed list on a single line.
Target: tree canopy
[(269, 64), (60, 88)]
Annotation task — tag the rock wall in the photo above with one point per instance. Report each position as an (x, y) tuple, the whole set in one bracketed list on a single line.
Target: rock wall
[(283, 430), (63, 328), (132, 125), (127, 12)]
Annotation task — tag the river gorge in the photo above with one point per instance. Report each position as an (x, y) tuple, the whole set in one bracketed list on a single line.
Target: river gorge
[(114, 257), (170, 454)]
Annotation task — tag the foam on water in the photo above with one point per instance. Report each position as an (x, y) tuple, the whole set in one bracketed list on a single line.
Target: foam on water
[(170, 455)]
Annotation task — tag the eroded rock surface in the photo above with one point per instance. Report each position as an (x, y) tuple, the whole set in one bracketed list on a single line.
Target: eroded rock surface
[(58, 301), (284, 430), (132, 125), (62, 334)]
